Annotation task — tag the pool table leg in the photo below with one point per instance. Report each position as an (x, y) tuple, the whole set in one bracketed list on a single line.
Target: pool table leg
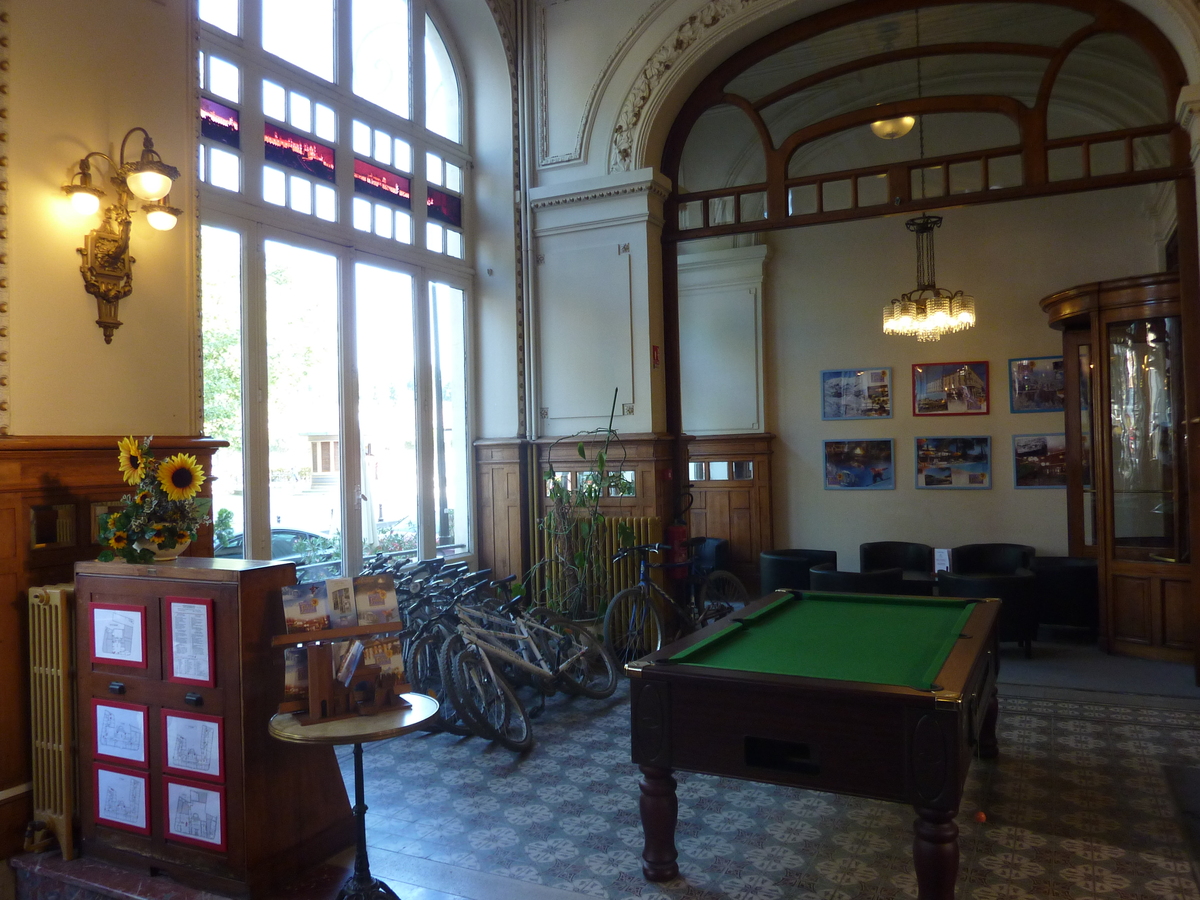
[(935, 853), (659, 807)]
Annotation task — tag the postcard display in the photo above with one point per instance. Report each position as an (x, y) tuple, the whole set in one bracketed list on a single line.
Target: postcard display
[(177, 681)]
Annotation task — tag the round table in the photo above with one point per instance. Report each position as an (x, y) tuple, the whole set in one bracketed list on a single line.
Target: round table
[(359, 730)]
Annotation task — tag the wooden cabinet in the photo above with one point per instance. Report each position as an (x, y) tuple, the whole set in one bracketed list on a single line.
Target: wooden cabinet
[(1127, 486), (177, 682)]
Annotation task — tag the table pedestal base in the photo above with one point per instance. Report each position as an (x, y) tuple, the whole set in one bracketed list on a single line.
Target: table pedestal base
[(371, 890)]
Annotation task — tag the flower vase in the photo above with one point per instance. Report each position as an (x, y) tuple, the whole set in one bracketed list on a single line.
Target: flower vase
[(161, 554)]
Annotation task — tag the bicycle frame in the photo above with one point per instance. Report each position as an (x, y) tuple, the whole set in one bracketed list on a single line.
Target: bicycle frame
[(491, 642)]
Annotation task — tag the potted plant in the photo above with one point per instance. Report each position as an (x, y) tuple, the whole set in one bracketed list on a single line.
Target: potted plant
[(161, 519)]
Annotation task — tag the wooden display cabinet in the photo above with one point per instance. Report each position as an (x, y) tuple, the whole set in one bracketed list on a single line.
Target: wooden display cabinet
[(220, 805)]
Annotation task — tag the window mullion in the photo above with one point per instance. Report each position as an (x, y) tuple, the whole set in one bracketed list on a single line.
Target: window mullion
[(426, 462), (255, 437), (351, 443)]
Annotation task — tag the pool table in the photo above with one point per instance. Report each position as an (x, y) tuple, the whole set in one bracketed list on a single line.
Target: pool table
[(885, 697)]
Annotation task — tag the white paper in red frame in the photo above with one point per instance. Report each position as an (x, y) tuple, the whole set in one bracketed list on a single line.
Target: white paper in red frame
[(194, 813), (189, 640), (118, 635), (200, 745), (121, 799), (119, 732)]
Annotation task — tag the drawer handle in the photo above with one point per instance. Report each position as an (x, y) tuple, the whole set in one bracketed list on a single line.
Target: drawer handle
[(116, 687), (193, 699)]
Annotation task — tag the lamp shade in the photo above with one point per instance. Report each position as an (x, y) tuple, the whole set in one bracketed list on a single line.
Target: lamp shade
[(84, 200), (148, 182), (890, 129)]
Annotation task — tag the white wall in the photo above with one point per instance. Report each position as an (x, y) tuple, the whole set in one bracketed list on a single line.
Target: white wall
[(825, 289), (82, 76)]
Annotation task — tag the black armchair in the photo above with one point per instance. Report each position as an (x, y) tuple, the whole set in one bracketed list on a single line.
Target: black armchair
[(1017, 593), (788, 569), (991, 559), (905, 555), (825, 577)]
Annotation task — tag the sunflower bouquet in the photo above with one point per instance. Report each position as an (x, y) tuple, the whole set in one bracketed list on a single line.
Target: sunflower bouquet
[(164, 512)]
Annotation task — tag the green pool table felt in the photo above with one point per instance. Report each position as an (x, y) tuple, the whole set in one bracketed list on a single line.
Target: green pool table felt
[(891, 640)]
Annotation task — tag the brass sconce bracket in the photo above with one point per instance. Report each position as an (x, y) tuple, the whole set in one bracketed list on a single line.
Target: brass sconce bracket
[(107, 266)]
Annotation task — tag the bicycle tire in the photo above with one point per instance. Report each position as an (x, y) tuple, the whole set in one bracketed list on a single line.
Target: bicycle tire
[(462, 709), (721, 593), (633, 626), (425, 674), (492, 700), (594, 673)]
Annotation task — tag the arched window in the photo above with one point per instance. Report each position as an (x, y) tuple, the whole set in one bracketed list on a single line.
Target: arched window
[(335, 280)]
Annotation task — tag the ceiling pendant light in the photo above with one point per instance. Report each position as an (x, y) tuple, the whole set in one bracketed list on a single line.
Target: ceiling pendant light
[(929, 311)]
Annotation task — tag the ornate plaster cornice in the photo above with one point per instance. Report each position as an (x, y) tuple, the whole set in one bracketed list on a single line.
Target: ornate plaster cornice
[(693, 29), (652, 188)]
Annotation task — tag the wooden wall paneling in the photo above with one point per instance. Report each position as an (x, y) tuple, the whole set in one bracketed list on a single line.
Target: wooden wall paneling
[(53, 470), (502, 492), (1177, 613)]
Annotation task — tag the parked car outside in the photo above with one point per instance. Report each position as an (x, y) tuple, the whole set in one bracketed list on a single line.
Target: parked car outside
[(288, 544)]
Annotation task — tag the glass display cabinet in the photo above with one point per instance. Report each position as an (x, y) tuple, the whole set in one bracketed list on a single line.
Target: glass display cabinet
[(1127, 490)]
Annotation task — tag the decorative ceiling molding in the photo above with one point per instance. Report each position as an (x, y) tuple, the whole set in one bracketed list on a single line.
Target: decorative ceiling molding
[(545, 159), (654, 188), (667, 57)]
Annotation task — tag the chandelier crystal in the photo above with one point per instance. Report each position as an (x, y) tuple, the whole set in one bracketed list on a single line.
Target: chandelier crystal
[(929, 311)]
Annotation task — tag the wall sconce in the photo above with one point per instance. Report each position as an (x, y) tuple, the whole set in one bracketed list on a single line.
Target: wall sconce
[(107, 266)]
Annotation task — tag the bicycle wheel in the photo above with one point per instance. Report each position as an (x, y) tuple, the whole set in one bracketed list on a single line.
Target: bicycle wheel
[(463, 710), (633, 626), (425, 673), (720, 594), (592, 671), (491, 700)]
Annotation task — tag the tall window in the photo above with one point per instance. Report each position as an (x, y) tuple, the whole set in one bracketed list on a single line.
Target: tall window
[(334, 280)]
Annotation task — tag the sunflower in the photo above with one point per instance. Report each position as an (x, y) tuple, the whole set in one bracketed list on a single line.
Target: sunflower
[(181, 476), (119, 540), (142, 497), (131, 463), (113, 519), (158, 536), (181, 536)]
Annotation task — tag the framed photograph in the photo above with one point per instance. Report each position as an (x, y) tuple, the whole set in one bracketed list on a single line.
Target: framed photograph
[(119, 635), (194, 813), (859, 466), (950, 389), (189, 640), (119, 732), (193, 744), (1040, 460), (121, 798), (954, 463), (856, 394), (1036, 384)]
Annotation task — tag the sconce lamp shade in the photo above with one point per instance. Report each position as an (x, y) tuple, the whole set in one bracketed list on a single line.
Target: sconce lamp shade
[(150, 180), (890, 129), (85, 199), (161, 216)]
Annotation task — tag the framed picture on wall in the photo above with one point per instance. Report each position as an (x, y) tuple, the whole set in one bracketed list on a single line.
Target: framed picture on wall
[(1035, 384), (856, 394), (950, 389), (1040, 460), (954, 463), (860, 465)]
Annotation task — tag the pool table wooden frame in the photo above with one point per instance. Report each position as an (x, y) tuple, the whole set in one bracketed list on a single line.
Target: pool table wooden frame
[(879, 741)]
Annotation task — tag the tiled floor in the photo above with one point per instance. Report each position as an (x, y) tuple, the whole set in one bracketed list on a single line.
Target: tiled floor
[(1077, 807)]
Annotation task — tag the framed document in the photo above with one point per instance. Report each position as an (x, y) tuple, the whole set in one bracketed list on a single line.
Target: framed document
[(119, 732), (122, 798), (193, 744), (119, 634), (189, 640), (194, 813)]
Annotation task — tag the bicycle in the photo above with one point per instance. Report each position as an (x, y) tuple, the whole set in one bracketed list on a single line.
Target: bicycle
[(636, 621)]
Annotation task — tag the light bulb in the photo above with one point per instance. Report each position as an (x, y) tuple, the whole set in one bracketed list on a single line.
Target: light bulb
[(85, 203)]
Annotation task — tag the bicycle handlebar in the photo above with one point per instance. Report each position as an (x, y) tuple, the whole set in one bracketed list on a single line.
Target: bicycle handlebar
[(644, 549)]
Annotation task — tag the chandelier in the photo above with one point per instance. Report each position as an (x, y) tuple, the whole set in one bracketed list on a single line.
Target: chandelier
[(929, 311)]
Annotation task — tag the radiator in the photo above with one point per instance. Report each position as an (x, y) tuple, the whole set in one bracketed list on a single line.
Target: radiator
[(606, 578), (52, 710)]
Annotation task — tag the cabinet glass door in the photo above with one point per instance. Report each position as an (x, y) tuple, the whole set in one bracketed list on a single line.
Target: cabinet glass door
[(1146, 402), (1086, 450)]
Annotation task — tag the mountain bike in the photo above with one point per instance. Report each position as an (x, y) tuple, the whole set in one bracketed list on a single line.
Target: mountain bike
[(642, 618)]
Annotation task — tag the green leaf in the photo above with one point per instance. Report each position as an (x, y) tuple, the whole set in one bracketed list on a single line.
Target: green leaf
[(106, 556), (601, 458), (579, 449)]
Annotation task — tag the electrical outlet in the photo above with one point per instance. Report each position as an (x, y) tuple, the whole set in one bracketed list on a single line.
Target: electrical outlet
[(627, 409)]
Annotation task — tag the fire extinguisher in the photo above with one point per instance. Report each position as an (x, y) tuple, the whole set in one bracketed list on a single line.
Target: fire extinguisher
[(676, 535)]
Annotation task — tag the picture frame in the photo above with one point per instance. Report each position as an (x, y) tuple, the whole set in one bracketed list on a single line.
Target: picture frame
[(860, 465), (951, 389), (953, 463), (194, 813), (121, 798), (1040, 461), (1036, 384), (856, 393), (189, 640), (119, 732), (118, 634), (193, 745)]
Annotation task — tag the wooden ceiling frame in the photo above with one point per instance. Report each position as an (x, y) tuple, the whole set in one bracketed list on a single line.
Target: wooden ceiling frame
[(725, 204)]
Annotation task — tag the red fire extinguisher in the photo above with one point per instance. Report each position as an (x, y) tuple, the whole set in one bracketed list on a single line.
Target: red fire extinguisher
[(676, 535)]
